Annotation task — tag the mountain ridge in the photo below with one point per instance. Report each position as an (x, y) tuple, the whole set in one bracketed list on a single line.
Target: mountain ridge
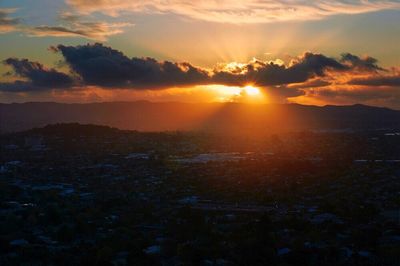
[(225, 118)]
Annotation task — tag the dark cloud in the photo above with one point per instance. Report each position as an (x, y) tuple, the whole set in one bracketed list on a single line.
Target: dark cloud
[(362, 64), (310, 84), (20, 86), (309, 75), (393, 81), (308, 66), (37, 76), (7, 24), (284, 91), (56, 31), (102, 66)]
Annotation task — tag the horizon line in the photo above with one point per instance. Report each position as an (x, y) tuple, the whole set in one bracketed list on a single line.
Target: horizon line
[(196, 103)]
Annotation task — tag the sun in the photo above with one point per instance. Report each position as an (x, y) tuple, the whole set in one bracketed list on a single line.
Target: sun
[(252, 91), (247, 93)]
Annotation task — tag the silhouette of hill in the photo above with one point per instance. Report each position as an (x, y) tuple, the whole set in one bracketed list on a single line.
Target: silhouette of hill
[(74, 129), (224, 118)]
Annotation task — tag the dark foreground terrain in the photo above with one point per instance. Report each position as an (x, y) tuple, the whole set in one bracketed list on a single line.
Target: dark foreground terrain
[(233, 119), (93, 195)]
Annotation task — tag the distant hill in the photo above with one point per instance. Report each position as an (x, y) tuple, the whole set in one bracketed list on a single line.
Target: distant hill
[(224, 118), (73, 129)]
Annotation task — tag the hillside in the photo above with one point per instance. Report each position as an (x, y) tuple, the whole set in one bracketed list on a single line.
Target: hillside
[(226, 118)]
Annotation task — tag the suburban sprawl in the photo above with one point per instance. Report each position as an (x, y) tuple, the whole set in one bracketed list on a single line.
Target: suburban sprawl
[(76, 194)]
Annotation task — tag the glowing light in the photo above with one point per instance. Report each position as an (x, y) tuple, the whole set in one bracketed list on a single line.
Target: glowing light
[(252, 91)]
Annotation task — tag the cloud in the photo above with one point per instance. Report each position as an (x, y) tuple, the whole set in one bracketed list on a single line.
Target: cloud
[(103, 66), (259, 73), (245, 11), (7, 24), (363, 64), (19, 86), (37, 77), (313, 83), (74, 26), (70, 26), (383, 96), (283, 92), (391, 81), (348, 79)]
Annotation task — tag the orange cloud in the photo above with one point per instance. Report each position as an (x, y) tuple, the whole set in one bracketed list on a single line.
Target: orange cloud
[(71, 26), (7, 24), (245, 11), (74, 26)]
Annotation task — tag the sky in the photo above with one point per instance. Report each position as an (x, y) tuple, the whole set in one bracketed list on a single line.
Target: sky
[(260, 51)]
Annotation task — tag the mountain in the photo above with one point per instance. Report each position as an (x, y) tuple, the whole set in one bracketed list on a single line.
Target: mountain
[(74, 130), (224, 118)]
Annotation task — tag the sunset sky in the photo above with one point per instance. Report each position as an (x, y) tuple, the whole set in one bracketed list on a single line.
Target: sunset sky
[(261, 51)]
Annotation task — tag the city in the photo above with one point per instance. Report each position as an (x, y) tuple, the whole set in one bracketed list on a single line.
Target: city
[(83, 194)]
